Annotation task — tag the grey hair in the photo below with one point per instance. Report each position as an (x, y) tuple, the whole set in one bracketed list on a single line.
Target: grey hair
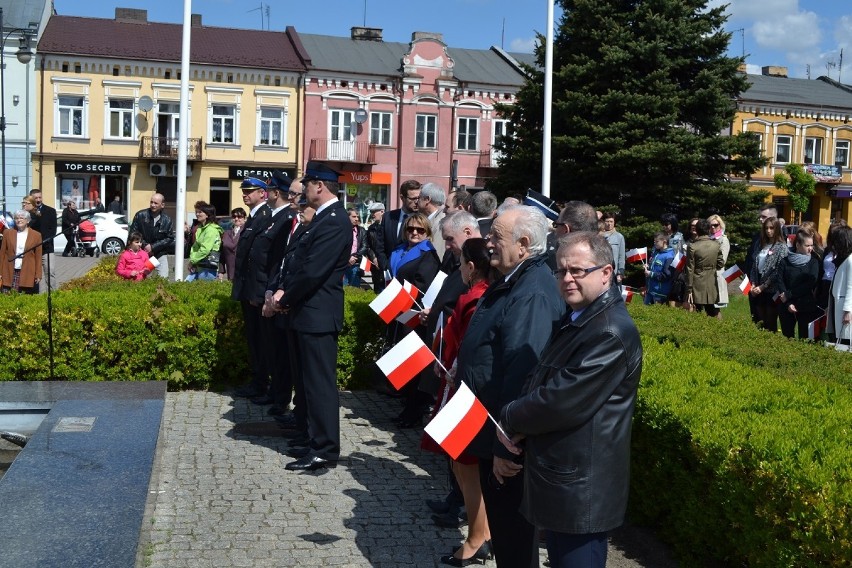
[(434, 192), (457, 221), (600, 248), (507, 203), (579, 216), (483, 204), (531, 223), (23, 213)]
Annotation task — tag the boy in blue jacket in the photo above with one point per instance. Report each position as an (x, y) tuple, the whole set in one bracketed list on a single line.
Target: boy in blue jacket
[(658, 272)]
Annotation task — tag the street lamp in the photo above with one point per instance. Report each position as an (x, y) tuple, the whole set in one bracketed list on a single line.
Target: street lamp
[(24, 55)]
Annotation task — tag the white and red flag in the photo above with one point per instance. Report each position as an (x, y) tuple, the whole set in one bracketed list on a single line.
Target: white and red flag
[(458, 422), (732, 274), (405, 360), (411, 318), (679, 261), (365, 265), (151, 264), (816, 327), (434, 288), (745, 285), (626, 294), (637, 255), (393, 300)]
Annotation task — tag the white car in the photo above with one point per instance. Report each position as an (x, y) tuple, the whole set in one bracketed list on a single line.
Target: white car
[(110, 233)]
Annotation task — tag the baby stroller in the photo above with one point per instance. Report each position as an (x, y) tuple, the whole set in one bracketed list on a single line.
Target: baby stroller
[(84, 240)]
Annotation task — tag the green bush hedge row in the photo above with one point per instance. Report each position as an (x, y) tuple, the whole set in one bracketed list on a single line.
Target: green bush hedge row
[(739, 462), (107, 329)]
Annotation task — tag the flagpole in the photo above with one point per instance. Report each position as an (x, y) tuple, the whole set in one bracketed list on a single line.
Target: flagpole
[(183, 134), (548, 103)]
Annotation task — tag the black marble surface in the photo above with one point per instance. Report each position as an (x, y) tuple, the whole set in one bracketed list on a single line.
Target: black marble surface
[(76, 499)]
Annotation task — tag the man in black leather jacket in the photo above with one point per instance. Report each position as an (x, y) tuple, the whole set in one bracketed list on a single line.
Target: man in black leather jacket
[(157, 230), (573, 420)]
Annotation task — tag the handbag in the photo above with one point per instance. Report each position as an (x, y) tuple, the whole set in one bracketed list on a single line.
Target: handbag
[(844, 347), (211, 261)]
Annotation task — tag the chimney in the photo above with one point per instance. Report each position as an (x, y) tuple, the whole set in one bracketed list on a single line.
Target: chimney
[(774, 71), (427, 35), (742, 68), (366, 34), (195, 20), (131, 15)]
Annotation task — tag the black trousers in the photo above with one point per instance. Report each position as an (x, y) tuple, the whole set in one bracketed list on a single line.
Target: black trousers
[(514, 539), (278, 362), (317, 362), (254, 337), (789, 321), (300, 411)]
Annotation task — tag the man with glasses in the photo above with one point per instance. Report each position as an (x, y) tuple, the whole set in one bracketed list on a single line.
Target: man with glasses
[(576, 411), (157, 230), (431, 204), (44, 221), (508, 331), (575, 216), (393, 221)]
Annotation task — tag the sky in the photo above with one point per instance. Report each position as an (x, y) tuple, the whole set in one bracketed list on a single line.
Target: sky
[(802, 35)]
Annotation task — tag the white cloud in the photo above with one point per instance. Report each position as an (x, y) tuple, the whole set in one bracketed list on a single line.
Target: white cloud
[(793, 33), (522, 45), (843, 32), (755, 10)]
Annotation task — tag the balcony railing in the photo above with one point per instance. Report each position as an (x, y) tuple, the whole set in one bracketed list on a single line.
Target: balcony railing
[(342, 151), (488, 158), (167, 148)]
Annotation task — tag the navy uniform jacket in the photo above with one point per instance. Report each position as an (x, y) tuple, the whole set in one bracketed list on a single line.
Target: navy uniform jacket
[(244, 271), (265, 254), (389, 238), (313, 278)]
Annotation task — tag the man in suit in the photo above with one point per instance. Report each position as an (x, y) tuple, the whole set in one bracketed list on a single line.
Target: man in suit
[(312, 296), (352, 275), (245, 272), (45, 223), (431, 204), (483, 205), (392, 222)]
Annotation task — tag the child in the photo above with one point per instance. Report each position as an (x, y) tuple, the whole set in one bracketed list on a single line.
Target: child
[(131, 263), (658, 273)]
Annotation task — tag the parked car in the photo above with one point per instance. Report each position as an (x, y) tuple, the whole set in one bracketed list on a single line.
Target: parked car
[(110, 229)]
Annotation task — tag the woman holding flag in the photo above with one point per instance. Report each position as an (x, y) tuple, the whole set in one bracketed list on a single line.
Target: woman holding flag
[(717, 233), (703, 260), (764, 271)]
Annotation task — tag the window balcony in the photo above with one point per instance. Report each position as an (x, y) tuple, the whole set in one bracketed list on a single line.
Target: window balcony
[(488, 159), (167, 148), (325, 150)]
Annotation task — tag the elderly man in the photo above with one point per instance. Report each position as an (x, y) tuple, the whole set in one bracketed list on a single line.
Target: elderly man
[(575, 216), (483, 204), (157, 230), (431, 204), (576, 411), (506, 335)]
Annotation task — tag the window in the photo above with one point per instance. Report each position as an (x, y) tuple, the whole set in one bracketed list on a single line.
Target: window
[(341, 125), (783, 146), (271, 127), (70, 116), (501, 130), (468, 133), (841, 153), (223, 124), (813, 150), (120, 123), (380, 128), (426, 131)]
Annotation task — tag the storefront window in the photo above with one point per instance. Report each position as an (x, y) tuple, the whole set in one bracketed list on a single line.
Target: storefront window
[(361, 195)]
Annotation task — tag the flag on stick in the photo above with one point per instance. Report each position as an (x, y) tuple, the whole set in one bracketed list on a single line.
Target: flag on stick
[(816, 327), (458, 422), (732, 274), (626, 294), (637, 255), (434, 288), (679, 261), (365, 265), (151, 264), (393, 300), (411, 318), (745, 285), (405, 360)]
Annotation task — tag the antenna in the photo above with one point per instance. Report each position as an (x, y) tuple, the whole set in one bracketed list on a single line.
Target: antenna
[(808, 70), (742, 37), (503, 34), (840, 66), (365, 13), (261, 13)]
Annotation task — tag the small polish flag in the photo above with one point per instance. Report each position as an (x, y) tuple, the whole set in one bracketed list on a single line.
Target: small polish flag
[(732, 274), (393, 300), (679, 261), (637, 254), (458, 422), (626, 294), (434, 288), (777, 298), (151, 264), (405, 360), (816, 327), (411, 319), (745, 285), (365, 265)]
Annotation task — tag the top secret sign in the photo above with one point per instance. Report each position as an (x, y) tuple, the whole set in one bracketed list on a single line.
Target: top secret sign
[(120, 168)]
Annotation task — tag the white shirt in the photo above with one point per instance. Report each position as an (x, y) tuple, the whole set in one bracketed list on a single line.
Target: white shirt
[(20, 246)]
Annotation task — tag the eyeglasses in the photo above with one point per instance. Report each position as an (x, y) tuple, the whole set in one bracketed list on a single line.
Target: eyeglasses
[(714, 224), (418, 230), (576, 272), (556, 225), (238, 216), (415, 198)]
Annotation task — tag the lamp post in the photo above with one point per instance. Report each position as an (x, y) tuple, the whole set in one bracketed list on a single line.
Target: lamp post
[(24, 55)]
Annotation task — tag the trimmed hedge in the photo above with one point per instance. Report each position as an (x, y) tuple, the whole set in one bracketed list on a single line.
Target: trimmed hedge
[(108, 329), (736, 459)]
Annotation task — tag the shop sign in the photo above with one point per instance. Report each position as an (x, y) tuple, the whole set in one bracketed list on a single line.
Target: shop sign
[(109, 168), (243, 172), (824, 173), (377, 178)]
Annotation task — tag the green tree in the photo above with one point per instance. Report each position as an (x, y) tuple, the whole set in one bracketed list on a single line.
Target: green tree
[(643, 96), (799, 185)]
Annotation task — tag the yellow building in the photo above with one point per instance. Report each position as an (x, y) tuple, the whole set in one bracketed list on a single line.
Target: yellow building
[(108, 120), (804, 122)]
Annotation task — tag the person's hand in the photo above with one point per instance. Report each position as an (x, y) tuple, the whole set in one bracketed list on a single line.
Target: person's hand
[(504, 468), (782, 297), (221, 276), (847, 318), (755, 291), (147, 249), (424, 315), (792, 309), (134, 273), (511, 445), (267, 310)]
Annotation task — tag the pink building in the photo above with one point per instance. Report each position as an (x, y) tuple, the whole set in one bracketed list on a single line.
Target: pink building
[(382, 112)]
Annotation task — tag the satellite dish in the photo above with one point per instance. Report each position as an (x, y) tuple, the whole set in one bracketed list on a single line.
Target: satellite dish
[(360, 116), (146, 103)]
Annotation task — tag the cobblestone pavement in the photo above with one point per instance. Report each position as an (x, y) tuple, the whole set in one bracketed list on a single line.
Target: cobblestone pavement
[(221, 498)]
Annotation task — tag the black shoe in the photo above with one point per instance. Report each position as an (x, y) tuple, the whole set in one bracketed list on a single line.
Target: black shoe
[(298, 451), (310, 463), (292, 433), (262, 400), (438, 507), (285, 419), (449, 520), (276, 410), (479, 557), (248, 391)]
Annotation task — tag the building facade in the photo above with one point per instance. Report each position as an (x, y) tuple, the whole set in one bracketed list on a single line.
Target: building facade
[(108, 120), (807, 122)]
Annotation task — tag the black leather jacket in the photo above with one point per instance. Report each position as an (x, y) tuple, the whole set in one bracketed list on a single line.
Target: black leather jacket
[(576, 414), (161, 238)]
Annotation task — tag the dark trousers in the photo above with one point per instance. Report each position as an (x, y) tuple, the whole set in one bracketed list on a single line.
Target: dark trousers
[(254, 337), (513, 538), (299, 405), (576, 550), (317, 354), (767, 311), (789, 321), (278, 362)]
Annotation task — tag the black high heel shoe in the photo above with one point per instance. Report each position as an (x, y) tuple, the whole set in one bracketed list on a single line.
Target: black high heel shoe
[(479, 557)]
